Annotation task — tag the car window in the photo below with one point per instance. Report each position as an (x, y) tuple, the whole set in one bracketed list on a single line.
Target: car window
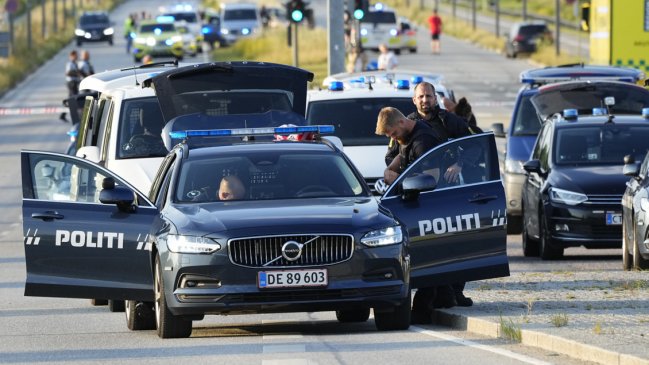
[(188, 17), (156, 28), (606, 144), (380, 17), (268, 175), (140, 129), (93, 19), (239, 14), (355, 119), (54, 179), (527, 122), (542, 147)]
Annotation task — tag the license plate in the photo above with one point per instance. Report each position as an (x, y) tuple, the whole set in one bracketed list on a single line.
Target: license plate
[(613, 218), (292, 278)]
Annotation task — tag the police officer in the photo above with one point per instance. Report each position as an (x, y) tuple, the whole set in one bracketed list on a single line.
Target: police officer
[(72, 74)]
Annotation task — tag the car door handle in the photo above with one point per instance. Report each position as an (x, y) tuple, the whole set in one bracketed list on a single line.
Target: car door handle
[(482, 199), (47, 216)]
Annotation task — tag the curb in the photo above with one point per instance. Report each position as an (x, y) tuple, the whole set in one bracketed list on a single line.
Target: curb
[(537, 339)]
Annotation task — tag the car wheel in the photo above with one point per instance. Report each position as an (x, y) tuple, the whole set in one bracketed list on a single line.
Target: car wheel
[(353, 315), (514, 224), (139, 315), (549, 249), (626, 256), (639, 263), (530, 245), (413, 50), (397, 51), (398, 319), (116, 305), (96, 302), (168, 325)]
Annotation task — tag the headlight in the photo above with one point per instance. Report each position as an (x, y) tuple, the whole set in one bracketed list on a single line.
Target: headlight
[(383, 237), (224, 31), (514, 166), (566, 197), (109, 31), (176, 38), (140, 40), (363, 31), (150, 41), (79, 32), (191, 244), (393, 32), (644, 204)]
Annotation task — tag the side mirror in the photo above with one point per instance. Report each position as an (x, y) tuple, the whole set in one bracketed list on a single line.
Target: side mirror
[(498, 129), (532, 166), (629, 159), (413, 185), (121, 196), (631, 169)]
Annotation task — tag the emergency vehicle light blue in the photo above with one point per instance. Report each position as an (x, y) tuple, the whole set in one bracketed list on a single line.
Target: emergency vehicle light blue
[(336, 86), (645, 113), (570, 114), (321, 129), (403, 84), (206, 30), (599, 111), (165, 19), (416, 80)]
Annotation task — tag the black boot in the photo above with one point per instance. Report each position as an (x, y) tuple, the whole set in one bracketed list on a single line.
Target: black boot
[(461, 300), (445, 297), (422, 306)]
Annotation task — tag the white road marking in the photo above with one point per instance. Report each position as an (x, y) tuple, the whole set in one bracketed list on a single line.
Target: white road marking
[(469, 343), (273, 349), (271, 337), (288, 362)]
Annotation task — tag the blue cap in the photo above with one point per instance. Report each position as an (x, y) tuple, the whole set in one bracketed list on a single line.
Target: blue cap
[(570, 113), (416, 80), (599, 111), (336, 86), (403, 84), (645, 113)]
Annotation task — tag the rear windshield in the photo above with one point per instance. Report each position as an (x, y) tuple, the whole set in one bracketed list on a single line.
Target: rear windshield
[(606, 144), (380, 17), (240, 14), (532, 29), (163, 27), (527, 122), (355, 119)]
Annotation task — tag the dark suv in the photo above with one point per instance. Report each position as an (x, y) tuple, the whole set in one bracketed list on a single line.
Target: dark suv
[(524, 37), (94, 26)]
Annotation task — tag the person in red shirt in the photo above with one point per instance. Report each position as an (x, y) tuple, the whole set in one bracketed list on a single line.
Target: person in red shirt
[(435, 24)]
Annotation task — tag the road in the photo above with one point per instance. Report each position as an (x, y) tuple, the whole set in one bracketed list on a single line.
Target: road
[(47, 330)]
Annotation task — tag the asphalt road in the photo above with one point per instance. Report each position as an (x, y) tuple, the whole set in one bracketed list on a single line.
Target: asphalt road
[(52, 330)]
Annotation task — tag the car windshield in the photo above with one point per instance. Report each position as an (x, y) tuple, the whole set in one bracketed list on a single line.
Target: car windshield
[(380, 17), (355, 119), (240, 14), (527, 122), (267, 175), (188, 17), (155, 28), (606, 144), (140, 129), (93, 19)]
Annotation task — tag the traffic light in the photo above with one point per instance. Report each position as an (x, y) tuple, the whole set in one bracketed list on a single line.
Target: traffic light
[(360, 8), (295, 11)]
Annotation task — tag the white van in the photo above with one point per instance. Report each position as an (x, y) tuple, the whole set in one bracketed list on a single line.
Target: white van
[(239, 20)]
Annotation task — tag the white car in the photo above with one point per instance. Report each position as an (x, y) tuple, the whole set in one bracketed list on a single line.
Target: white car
[(380, 26), (190, 46), (187, 14), (388, 78), (353, 112), (239, 20)]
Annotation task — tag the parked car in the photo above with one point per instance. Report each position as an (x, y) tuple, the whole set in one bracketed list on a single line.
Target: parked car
[(635, 213), (380, 26), (94, 26), (212, 29), (574, 183), (525, 124), (239, 20), (525, 37), (408, 33)]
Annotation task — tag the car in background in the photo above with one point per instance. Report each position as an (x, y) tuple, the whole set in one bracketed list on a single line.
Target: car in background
[(574, 185), (635, 213), (525, 37), (157, 38), (94, 26), (525, 124), (408, 33), (211, 29), (239, 20), (186, 14), (380, 26), (190, 46)]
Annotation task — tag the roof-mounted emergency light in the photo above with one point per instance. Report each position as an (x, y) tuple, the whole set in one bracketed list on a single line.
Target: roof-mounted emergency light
[(570, 114), (321, 129), (403, 84), (416, 80), (599, 111), (336, 86)]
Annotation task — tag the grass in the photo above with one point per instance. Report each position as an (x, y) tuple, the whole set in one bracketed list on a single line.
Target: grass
[(598, 328), (559, 320), (510, 330)]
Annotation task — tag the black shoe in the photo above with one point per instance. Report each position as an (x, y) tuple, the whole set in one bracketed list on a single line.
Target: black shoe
[(445, 297), (463, 301)]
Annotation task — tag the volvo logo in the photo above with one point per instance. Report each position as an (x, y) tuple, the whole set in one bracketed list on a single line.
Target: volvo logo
[(292, 250)]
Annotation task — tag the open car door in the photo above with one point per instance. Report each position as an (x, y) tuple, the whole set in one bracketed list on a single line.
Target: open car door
[(457, 231), (76, 246)]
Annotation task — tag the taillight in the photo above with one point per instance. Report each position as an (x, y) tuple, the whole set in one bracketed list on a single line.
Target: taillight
[(518, 38)]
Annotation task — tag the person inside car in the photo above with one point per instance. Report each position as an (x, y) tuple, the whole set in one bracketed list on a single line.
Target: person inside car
[(231, 188)]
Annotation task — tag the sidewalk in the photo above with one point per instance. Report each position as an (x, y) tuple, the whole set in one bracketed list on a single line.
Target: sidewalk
[(600, 316)]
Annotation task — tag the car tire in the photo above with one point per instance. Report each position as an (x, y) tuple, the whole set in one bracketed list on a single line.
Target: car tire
[(627, 261), (116, 305), (397, 51), (140, 316), (514, 224), (97, 302), (396, 320), (167, 324), (639, 263), (549, 249), (353, 315), (413, 50), (530, 245)]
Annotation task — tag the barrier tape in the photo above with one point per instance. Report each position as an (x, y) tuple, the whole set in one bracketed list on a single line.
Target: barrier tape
[(35, 110)]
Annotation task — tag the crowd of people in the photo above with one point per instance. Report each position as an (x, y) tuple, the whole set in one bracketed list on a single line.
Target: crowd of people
[(77, 68)]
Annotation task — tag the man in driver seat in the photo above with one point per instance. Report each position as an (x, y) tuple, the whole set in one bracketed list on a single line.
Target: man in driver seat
[(149, 142)]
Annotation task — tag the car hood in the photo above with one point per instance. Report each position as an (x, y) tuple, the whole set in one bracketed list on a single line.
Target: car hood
[(174, 88), (586, 95), (249, 218), (591, 180)]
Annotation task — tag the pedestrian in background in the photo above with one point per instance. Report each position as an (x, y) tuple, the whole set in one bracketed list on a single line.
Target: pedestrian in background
[(356, 56), (129, 27), (387, 59), (435, 24), (72, 74), (85, 67)]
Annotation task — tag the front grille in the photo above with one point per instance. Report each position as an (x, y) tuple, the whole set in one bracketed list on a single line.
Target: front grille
[(267, 251), (604, 199)]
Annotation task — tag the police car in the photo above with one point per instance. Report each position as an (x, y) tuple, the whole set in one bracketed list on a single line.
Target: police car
[(305, 235), (380, 26), (187, 15), (353, 104), (388, 78)]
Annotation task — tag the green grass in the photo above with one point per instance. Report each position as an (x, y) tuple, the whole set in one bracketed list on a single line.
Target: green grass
[(510, 330), (559, 320)]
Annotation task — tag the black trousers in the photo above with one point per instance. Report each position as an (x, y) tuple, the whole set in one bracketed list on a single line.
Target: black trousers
[(73, 87)]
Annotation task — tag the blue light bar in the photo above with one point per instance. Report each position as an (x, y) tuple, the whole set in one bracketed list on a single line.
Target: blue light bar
[(206, 30), (403, 84), (599, 111), (321, 129), (416, 80), (570, 114), (645, 113), (336, 86), (165, 19)]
